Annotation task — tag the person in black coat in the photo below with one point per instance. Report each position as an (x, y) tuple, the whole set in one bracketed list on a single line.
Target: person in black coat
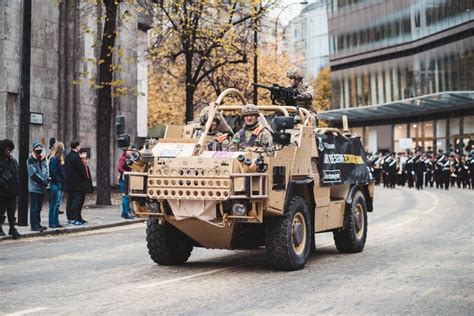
[(76, 185), (430, 170), (88, 184), (385, 168), (419, 168), (8, 187), (439, 164), (470, 166)]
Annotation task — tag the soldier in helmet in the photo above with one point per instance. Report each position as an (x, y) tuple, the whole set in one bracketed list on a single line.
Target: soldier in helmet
[(215, 140), (305, 91), (252, 134)]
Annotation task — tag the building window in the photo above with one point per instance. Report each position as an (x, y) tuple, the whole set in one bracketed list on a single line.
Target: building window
[(406, 25), (417, 19), (381, 87), (365, 89), (441, 142)]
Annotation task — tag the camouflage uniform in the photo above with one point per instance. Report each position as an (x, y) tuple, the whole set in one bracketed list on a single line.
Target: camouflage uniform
[(261, 138), (305, 91), (215, 140), (252, 136)]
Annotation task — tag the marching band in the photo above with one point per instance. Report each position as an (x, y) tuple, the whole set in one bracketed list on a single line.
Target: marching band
[(444, 170)]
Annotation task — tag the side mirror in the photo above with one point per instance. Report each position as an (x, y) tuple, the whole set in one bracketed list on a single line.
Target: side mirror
[(280, 123)]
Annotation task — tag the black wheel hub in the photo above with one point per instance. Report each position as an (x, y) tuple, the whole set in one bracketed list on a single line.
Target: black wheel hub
[(357, 220), (297, 233)]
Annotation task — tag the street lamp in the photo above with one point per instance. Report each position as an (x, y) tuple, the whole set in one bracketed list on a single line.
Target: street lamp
[(278, 16), (25, 114), (255, 56)]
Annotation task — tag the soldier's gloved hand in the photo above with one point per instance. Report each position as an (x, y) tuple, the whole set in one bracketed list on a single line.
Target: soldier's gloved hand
[(300, 97)]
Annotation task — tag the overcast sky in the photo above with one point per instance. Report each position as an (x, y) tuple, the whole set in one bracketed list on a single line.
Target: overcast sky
[(289, 12)]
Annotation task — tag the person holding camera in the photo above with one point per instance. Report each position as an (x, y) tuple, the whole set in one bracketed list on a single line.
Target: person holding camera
[(87, 184), (125, 161), (38, 181)]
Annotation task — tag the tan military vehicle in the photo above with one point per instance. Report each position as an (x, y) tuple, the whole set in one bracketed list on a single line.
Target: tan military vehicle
[(196, 197)]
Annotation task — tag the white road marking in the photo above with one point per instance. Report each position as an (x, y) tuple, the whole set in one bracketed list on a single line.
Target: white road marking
[(403, 223), (155, 284), (27, 311), (431, 209), (436, 202)]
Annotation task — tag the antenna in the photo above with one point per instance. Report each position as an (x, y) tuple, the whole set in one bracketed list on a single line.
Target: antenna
[(345, 125)]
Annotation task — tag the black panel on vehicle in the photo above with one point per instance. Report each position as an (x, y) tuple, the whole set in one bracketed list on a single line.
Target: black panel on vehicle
[(279, 178)]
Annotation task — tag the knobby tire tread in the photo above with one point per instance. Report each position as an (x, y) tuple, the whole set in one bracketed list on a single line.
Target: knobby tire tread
[(162, 240), (346, 239), (278, 239)]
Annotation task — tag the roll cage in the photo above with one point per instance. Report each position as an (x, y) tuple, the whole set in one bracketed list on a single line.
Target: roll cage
[(218, 106)]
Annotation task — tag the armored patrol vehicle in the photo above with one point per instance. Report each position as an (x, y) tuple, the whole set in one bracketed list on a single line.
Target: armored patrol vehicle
[(313, 180)]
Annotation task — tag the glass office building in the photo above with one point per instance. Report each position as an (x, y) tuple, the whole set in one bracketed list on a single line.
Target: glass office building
[(403, 69)]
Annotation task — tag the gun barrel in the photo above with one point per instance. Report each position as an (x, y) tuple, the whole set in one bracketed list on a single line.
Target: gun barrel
[(261, 86)]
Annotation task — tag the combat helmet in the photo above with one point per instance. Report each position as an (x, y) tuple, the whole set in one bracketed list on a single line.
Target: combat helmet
[(249, 109), (203, 119), (295, 73)]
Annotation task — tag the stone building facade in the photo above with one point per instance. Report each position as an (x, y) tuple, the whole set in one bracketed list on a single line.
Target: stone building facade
[(61, 52)]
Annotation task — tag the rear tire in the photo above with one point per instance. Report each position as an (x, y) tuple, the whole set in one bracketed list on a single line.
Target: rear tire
[(288, 237), (166, 244), (352, 237)]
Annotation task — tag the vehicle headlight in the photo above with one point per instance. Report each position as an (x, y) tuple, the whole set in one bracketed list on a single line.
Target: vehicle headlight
[(239, 209), (153, 206)]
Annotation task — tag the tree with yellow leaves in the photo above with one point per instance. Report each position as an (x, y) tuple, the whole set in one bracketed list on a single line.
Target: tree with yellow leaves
[(110, 62), (166, 98), (204, 36), (323, 88)]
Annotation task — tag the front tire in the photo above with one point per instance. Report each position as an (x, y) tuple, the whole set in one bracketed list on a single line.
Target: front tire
[(166, 244), (288, 237), (352, 237)]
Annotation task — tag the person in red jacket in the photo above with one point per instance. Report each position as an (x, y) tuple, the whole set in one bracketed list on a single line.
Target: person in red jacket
[(123, 166)]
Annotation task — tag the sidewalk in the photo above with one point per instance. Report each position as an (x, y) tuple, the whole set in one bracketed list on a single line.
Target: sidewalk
[(97, 217)]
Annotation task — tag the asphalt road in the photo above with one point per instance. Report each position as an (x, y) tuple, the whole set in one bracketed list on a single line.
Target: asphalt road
[(418, 260)]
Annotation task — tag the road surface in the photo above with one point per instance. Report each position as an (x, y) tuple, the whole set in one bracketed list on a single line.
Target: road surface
[(418, 260)]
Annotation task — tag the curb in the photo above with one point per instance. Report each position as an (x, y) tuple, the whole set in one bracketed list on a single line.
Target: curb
[(65, 231)]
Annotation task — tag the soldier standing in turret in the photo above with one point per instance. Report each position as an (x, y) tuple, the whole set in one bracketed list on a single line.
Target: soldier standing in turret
[(252, 134), (305, 91)]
